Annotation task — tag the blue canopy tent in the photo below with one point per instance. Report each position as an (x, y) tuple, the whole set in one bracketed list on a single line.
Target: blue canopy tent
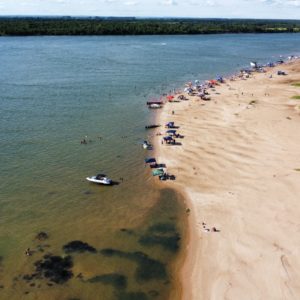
[(171, 131), (170, 124), (168, 138), (220, 79)]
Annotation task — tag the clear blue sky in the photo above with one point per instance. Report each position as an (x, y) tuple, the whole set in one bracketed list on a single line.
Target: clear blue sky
[(278, 9)]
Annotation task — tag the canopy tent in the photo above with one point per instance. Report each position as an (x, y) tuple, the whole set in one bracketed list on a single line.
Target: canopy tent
[(158, 172), (150, 160), (220, 79), (168, 138), (170, 124), (189, 90), (171, 131)]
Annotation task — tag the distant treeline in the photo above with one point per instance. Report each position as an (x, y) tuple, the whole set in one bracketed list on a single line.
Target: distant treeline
[(18, 26)]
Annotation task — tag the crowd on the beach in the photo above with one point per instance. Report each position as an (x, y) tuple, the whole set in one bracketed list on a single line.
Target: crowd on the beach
[(201, 91)]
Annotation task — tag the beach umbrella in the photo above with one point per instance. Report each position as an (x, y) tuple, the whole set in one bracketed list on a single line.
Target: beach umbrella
[(170, 97)]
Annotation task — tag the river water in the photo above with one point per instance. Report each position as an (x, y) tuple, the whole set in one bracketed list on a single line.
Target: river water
[(56, 91)]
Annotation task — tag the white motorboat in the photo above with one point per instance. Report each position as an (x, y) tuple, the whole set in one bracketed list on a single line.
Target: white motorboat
[(100, 179), (154, 105)]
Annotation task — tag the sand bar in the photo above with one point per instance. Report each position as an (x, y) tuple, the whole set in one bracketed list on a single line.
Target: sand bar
[(239, 169)]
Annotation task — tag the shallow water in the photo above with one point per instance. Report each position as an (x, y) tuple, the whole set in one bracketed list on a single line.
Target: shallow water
[(55, 91)]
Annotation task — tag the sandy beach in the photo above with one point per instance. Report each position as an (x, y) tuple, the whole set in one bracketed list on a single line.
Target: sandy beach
[(239, 169)]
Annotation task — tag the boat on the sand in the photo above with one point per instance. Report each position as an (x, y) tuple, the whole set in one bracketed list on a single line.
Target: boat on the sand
[(100, 179), (151, 126), (147, 145)]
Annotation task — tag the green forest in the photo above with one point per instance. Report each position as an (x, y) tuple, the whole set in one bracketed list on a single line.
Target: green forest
[(27, 26)]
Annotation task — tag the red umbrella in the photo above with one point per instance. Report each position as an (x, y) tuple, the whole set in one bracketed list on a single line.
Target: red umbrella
[(170, 97)]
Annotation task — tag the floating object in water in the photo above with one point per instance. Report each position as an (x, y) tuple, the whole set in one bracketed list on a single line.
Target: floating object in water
[(100, 179)]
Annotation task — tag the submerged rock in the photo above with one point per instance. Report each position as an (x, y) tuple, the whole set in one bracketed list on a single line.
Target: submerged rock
[(41, 236), (78, 246), (55, 268), (117, 280)]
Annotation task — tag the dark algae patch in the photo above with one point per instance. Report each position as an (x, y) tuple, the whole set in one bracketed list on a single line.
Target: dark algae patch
[(163, 228), (147, 267), (162, 234), (132, 296), (79, 247), (55, 268), (119, 281), (134, 266)]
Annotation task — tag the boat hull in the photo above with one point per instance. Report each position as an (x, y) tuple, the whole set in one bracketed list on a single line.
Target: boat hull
[(93, 179)]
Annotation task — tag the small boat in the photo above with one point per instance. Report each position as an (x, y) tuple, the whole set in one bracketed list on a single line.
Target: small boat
[(150, 160), (100, 179), (154, 105), (151, 126), (158, 172), (147, 145), (155, 101)]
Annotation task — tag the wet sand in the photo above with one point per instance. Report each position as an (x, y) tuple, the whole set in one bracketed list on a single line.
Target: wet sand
[(239, 169)]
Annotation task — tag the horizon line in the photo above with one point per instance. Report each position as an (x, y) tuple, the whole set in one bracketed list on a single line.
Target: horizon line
[(143, 17)]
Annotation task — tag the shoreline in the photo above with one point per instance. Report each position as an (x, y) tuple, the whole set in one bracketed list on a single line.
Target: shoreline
[(213, 197)]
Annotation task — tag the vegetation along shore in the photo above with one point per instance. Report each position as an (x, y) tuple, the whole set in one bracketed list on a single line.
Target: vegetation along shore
[(25, 26)]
